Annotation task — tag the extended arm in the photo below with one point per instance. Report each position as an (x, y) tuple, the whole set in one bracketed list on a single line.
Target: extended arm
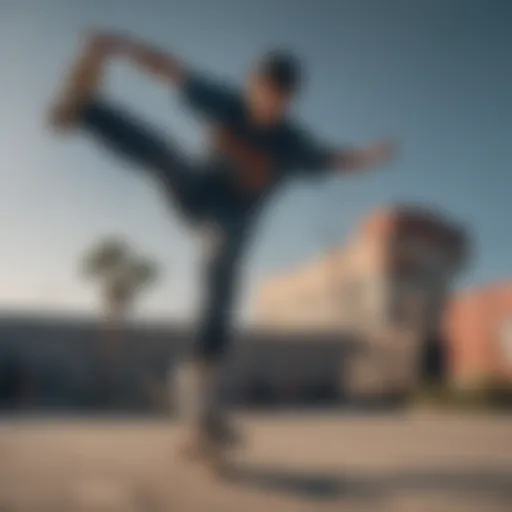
[(147, 58), (207, 97), (355, 160), (315, 157)]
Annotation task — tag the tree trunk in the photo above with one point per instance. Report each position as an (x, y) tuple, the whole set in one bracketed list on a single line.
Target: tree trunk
[(111, 357)]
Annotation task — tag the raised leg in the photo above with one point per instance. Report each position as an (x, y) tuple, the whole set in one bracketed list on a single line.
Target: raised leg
[(136, 142)]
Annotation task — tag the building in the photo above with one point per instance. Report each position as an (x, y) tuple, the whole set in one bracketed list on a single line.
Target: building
[(62, 362), (353, 324), (387, 287), (478, 332)]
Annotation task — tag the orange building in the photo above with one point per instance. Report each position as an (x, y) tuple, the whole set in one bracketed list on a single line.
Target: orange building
[(478, 334)]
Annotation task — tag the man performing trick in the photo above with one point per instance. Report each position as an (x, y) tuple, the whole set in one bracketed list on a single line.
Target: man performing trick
[(255, 147)]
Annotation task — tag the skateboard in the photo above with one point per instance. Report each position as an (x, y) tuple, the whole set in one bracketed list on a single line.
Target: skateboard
[(212, 455)]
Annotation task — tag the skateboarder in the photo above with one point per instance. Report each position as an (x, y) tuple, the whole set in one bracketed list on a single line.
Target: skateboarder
[(255, 148)]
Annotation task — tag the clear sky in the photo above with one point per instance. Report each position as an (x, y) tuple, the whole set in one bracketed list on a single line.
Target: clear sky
[(434, 73)]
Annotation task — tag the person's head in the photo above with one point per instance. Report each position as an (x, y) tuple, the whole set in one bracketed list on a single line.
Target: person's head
[(273, 84)]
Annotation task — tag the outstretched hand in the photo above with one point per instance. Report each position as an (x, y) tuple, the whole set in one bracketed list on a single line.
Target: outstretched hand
[(380, 152), (373, 155), (105, 42)]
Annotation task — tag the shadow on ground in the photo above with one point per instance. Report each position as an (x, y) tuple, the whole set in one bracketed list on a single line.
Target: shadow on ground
[(494, 485)]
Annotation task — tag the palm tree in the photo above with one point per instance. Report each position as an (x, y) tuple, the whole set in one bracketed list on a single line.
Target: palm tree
[(122, 275)]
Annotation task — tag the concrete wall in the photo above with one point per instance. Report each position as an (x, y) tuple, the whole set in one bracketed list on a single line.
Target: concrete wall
[(65, 363)]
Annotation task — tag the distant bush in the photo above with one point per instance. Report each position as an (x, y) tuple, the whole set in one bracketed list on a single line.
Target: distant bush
[(485, 394)]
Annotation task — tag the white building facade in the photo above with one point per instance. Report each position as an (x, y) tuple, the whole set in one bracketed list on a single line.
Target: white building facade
[(387, 287)]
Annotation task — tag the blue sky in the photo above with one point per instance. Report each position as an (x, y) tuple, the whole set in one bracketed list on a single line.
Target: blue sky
[(434, 73)]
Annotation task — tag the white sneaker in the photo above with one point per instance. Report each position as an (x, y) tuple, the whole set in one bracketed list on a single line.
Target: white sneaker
[(195, 394)]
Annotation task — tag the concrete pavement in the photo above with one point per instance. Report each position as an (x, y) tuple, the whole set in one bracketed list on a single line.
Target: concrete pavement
[(293, 462)]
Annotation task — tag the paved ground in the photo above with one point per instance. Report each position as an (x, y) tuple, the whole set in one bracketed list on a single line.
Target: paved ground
[(294, 463)]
